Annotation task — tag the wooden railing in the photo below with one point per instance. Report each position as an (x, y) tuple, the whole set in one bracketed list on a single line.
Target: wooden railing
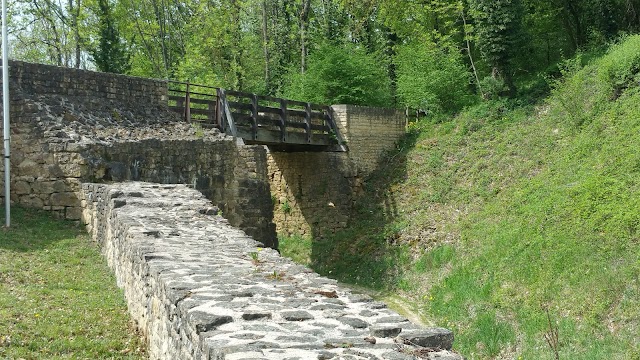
[(255, 118), (196, 103)]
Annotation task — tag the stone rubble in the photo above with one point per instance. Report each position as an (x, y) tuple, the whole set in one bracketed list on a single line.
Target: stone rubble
[(200, 289)]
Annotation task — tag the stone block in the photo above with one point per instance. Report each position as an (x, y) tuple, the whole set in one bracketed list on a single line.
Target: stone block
[(73, 213), (29, 167), (430, 338), (64, 199), (43, 187), (21, 188)]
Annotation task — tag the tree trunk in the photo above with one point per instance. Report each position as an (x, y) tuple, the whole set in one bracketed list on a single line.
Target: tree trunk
[(575, 15), (237, 50), (304, 17), (75, 14), (473, 65), (159, 14), (265, 46)]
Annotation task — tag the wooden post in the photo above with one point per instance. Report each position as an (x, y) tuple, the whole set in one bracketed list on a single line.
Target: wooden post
[(283, 120), (333, 126), (229, 124), (187, 105), (219, 111), (307, 121), (254, 116), (211, 112)]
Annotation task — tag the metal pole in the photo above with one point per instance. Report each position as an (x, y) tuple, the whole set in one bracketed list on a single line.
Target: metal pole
[(5, 108)]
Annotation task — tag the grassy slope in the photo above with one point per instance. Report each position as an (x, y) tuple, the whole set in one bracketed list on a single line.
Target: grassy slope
[(58, 299), (486, 220)]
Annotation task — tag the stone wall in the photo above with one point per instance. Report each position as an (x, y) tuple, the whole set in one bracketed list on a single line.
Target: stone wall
[(313, 193), (89, 89), (200, 289), (231, 176), (369, 132), (71, 126)]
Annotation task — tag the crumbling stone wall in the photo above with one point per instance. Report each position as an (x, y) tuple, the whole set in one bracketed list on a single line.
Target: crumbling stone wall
[(313, 193), (200, 289), (71, 126)]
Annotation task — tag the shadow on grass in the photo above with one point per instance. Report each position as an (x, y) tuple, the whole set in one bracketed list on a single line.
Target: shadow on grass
[(33, 230), (362, 254)]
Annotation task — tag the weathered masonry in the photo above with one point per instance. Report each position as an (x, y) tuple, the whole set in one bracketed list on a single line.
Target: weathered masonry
[(313, 192), (71, 126), (185, 216), (200, 289)]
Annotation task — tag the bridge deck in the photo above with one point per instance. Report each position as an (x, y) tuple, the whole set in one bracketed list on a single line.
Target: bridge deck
[(279, 123)]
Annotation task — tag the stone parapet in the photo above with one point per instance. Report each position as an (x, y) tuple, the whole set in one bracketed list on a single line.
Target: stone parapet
[(200, 289), (89, 88)]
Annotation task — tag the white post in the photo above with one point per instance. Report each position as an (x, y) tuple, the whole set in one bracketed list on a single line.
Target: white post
[(5, 108)]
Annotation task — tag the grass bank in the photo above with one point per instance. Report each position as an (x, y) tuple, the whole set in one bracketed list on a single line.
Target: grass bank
[(58, 299), (510, 221)]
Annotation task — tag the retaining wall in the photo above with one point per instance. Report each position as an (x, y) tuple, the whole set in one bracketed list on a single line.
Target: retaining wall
[(313, 193), (70, 126), (200, 289)]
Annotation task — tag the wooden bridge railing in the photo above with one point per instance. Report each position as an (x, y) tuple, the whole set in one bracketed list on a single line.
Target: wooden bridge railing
[(255, 118)]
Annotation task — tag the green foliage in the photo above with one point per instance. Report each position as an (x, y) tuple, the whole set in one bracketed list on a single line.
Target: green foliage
[(261, 46), (620, 69), (498, 27), (514, 210), (59, 299), (431, 78), (110, 55), (606, 79), (285, 207), (493, 87), (255, 257), (298, 248), (341, 74)]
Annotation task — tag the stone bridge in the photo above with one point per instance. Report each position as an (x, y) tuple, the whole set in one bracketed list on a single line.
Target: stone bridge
[(106, 150)]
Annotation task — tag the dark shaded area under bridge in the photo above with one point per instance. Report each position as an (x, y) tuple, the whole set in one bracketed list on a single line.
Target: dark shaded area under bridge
[(283, 125)]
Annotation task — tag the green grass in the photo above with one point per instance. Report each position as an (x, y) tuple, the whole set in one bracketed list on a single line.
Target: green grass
[(58, 299), (485, 220)]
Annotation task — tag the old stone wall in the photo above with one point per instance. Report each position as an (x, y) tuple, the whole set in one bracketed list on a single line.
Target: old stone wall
[(200, 289), (71, 126), (89, 89), (369, 132), (313, 193)]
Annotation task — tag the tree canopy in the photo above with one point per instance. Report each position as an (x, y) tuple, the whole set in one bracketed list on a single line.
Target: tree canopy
[(434, 55)]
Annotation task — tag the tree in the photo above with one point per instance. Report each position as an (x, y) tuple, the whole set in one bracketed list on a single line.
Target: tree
[(156, 32), (432, 78), (341, 74), (51, 32), (110, 55), (498, 27)]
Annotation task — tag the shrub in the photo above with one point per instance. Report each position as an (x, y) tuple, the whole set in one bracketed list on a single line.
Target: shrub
[(341, 74), (432, 79)]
